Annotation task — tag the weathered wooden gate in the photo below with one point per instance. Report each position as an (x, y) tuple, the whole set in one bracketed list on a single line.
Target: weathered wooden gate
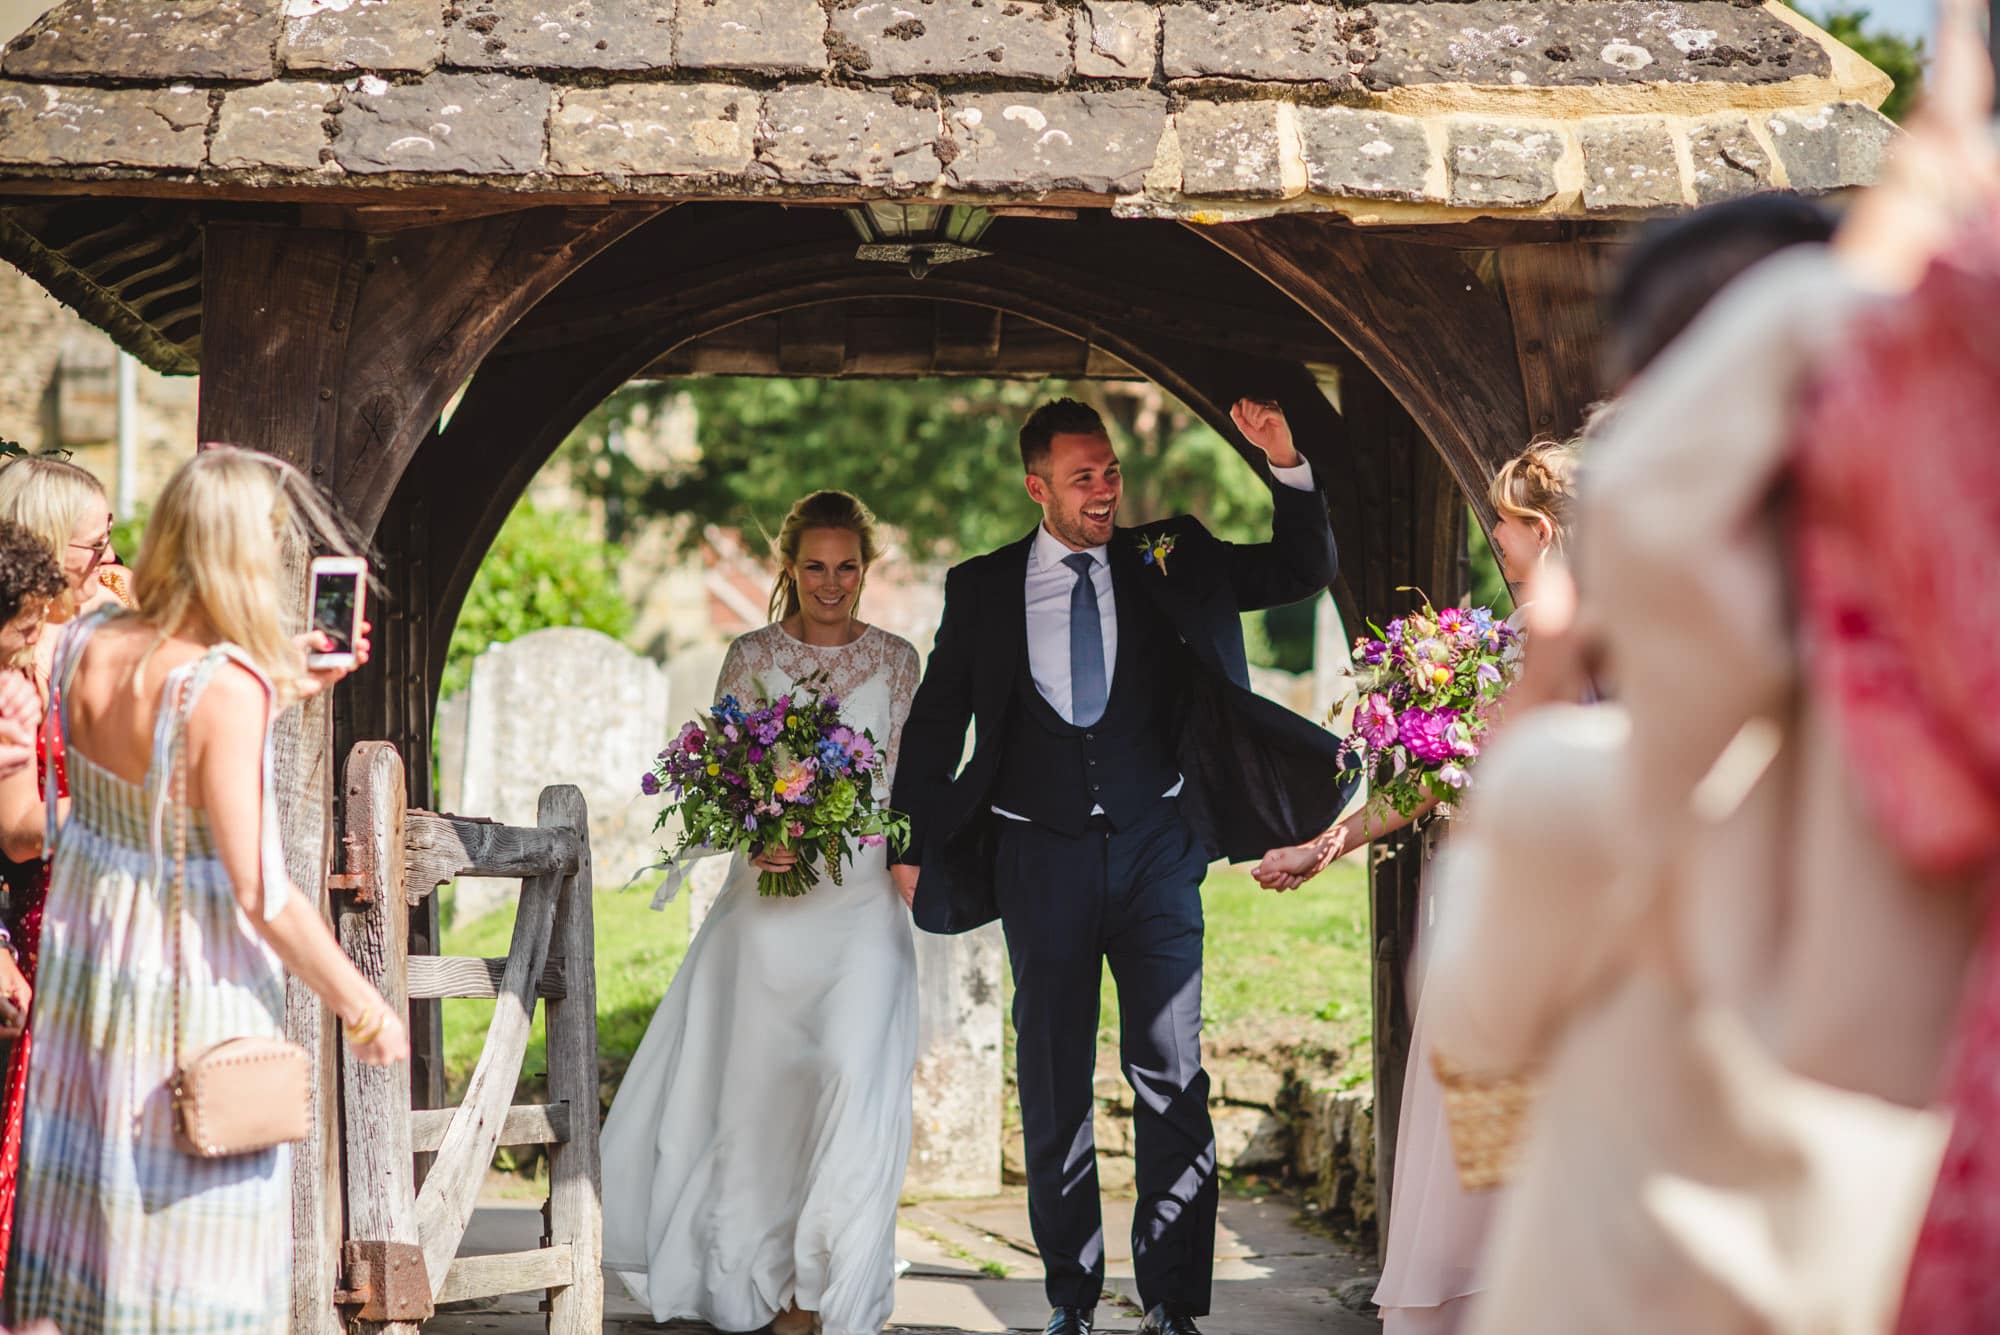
[(399, 1257)]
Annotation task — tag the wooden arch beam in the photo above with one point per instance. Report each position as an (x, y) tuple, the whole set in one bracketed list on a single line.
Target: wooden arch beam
[(1415, 317), (529, 396)]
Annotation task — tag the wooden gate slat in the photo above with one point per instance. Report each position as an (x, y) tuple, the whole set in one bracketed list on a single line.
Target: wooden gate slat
[(445, 1205), (575, 1186), (444, 848), (381, 1195), (469, 976), (508, 1272), (524, 1124)]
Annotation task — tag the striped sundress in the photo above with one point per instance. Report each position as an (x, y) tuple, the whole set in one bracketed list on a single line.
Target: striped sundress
[(117, 1230)]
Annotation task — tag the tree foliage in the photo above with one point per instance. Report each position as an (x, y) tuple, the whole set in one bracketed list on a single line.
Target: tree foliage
[(1901, 58), (539, 573), (935, 459)]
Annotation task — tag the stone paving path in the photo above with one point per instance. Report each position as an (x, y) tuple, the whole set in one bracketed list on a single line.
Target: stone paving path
[(974, 1271)]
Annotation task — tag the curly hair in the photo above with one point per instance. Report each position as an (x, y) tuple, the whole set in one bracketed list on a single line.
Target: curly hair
[(27, 571)]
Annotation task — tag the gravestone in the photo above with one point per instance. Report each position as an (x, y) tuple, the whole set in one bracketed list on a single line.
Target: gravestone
[(563, 705)]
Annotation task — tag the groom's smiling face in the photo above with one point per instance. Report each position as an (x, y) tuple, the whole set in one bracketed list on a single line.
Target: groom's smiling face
[(1078, 489)]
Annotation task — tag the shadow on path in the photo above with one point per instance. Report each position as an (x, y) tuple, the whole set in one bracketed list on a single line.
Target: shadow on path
[(973, 1271)]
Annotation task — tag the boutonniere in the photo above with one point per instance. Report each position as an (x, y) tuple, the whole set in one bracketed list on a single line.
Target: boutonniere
[(1154, 549)]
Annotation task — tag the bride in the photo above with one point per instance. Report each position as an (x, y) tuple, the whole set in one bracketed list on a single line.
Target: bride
[(754, 1152)]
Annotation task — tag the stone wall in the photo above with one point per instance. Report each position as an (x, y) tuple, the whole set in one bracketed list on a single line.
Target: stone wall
[(1279, 1114), (58, 390)]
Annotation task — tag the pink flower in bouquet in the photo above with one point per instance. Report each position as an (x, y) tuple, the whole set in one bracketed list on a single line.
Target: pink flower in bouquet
[(872, 841), (796, 830), (691, 740), (1453, 775), (1428, 734), (864, 754), (794, 782), (1375, 720)]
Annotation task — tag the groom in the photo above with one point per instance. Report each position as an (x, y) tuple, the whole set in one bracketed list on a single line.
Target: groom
[(1120, 749)]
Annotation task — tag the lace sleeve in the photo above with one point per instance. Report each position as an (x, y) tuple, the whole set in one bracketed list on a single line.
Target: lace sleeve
[(904, 674), (737, 677)]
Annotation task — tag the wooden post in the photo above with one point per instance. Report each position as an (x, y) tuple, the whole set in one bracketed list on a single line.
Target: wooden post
[(381, 1197), (1416, 526), (1554, 293), (576, 1218)]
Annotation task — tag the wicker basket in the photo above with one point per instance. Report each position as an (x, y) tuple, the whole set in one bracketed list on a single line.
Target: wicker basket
[(1488, 1117)]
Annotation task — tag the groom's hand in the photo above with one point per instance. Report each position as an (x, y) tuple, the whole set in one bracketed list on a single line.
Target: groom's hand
[(1263, 424), (905, 877)]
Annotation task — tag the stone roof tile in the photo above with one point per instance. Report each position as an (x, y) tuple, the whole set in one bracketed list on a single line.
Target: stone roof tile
[(1239, 150), (220, 39), (848, 136), (1831, 147), (474, 124), (1117, 39), (1728, 159), (1365, 154), (618, 35), (1629, 163), (1506, 164), (1507, 43), (103, 127), (1302, 42), (1101, 143), (389, 36), (655, 129), (275, 125), (763, 36), (1002, 39)]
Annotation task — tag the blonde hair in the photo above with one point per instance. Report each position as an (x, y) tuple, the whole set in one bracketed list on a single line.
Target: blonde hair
[(1538, 484), (50, 497), (215, 549), (822, 509)]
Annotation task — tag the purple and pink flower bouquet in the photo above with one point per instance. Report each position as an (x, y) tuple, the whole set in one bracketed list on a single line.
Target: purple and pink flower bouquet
[(1428, 685), (783, 773)]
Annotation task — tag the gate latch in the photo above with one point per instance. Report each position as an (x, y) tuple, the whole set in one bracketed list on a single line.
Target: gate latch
[(386, 1280)]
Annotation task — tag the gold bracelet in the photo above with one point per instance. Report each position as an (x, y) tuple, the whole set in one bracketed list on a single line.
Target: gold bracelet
[(364, 1031)]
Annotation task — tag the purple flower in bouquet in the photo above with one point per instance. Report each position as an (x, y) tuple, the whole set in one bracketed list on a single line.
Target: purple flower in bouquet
[(1375, 720), (691, 740), (831, 703), (1373, 652), (649, 784), (1427, 733)]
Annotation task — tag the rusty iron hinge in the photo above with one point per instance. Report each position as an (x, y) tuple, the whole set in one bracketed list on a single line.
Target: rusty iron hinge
[(386, 1280), (353, 883)]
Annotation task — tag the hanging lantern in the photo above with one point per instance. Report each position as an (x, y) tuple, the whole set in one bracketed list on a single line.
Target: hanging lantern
[(919, 234)]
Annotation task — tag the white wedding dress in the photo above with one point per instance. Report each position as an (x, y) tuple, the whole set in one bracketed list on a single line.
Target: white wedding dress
[(754, 1153)]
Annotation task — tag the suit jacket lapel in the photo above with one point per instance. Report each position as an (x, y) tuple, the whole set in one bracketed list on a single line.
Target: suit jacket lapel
[(1007, 630)]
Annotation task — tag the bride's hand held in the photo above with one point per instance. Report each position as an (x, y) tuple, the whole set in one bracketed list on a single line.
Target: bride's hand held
[(1284, 869), (905, 877), (777, 861)]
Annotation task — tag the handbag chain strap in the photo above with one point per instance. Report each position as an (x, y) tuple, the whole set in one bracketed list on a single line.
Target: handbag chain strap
[(177, 743)]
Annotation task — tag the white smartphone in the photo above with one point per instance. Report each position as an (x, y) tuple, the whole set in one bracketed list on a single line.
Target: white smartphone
[(339, 587)]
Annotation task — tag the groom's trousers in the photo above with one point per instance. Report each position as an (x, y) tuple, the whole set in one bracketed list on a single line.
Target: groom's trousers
[(1133, 897)]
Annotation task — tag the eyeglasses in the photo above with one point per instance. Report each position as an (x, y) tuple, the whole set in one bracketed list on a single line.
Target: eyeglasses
[(102, 545)]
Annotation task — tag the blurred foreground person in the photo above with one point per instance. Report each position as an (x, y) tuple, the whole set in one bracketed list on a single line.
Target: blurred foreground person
[(167, 718), (1681, 911)]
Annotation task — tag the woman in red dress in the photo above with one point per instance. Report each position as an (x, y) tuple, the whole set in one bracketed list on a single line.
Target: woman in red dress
[(55, 542)]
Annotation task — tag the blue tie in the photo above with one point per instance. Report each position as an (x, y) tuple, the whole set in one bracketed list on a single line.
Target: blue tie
[(1086, 645)]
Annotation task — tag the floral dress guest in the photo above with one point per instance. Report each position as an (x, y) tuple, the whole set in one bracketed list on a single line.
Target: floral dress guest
[(1430, 1267), (166, 717)]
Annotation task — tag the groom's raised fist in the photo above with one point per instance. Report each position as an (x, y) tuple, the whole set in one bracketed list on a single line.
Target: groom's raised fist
[(1263, 424)]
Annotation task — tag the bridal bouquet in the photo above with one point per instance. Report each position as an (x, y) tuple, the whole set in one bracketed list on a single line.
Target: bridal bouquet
[(1428, 685), (783, 773)]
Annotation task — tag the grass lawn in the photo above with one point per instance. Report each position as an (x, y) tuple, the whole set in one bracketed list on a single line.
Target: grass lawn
[(1284, 968)]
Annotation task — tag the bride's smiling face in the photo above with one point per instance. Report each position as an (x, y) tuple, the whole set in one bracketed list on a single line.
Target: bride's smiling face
[(828, 572)]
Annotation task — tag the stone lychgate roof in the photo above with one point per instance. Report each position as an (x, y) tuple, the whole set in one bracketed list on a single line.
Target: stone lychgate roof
[(1410, 112)]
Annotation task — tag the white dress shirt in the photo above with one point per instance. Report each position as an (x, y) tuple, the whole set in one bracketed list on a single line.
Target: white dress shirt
[(1050, 586)]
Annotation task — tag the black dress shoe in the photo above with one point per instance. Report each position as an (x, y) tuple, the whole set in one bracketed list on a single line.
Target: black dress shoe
[(1168, 1319), (1070, 1321)]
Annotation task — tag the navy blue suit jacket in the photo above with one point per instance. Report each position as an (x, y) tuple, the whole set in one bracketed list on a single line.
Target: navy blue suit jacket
[(1258, 776)]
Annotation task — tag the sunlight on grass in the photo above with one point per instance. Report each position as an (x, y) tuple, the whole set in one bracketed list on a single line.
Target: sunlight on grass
[(1302, 956)]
